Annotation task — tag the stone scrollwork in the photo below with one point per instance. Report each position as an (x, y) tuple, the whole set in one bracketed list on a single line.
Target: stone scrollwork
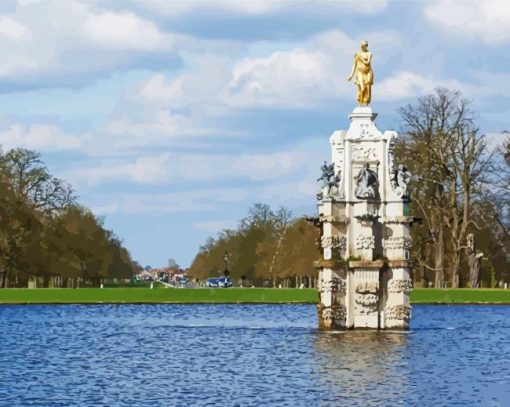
[(398, 313), (367, 287), (391, 155), (398, 242), (334, 242), (365, 131), (364, 242), (333, 286), (400, 286), (360, 152), (367, 300), (366, 303), (367, 297)]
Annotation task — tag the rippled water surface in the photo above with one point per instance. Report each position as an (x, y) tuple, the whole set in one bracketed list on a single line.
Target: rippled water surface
[(253, 355)]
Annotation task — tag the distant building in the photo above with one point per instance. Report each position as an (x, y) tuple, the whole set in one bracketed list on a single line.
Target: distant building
[(169, 274)]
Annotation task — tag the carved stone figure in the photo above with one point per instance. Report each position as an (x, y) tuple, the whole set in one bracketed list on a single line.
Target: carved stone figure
[(363, 74), (367, 184), (474, 261), (399, 179), (329, 181)]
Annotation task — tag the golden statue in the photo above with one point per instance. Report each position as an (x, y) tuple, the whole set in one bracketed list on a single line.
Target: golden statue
[(363, 74)]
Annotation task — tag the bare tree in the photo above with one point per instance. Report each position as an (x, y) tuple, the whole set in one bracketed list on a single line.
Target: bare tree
[(32, 182), (258, 215), (444, 146)]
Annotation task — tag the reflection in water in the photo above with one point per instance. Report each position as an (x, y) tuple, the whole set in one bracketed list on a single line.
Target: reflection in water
[(360, 364)]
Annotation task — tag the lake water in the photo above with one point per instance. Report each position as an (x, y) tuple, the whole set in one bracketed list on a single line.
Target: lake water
[(248, 355)]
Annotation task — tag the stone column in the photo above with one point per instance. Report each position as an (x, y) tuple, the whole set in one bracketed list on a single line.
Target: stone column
[(331, 308), (397, 312)]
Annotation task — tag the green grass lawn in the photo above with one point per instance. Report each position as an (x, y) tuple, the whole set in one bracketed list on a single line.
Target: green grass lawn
[(460, 296), (229, 295), (159, 295)]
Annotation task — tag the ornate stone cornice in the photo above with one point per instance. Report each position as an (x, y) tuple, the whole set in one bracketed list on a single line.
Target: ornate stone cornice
[(334, 219), (366, 264), (329, 264), (406, 264), (400, 219)]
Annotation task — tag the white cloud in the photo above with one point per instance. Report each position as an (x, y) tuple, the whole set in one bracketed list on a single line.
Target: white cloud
[(144, 170), (294, 194), (48, 38), (290, 193), (294, 78), (406, 84), (261, 7), (304, 77), (487, 19), (40, 137), (122, 30), (198, 200), (496, 141), (205, 77), (13, 29), (106, 209), (162, 168), (157, 90)]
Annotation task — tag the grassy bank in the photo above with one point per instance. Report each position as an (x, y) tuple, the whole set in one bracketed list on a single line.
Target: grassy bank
[(160, 295), (230, 295), (460, 296)]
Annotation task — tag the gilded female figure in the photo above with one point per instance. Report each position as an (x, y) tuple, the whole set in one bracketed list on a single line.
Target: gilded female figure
[(363, 74)]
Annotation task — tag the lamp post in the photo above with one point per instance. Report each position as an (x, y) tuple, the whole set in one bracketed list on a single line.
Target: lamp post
[(225, 259)]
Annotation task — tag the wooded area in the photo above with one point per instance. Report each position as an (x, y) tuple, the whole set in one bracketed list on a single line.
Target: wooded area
[(268, 248), (46, 238), (460, 189)]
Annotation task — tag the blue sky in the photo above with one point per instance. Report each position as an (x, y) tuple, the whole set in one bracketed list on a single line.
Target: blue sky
[(171, 118)]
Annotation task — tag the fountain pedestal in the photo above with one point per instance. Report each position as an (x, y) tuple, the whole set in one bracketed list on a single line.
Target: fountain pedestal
[(363, 205)]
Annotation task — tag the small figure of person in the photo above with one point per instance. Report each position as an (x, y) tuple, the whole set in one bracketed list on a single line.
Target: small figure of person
[(363, 74), (366, 183)]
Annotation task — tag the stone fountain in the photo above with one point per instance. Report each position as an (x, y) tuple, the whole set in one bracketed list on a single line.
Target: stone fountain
[(363, 206)]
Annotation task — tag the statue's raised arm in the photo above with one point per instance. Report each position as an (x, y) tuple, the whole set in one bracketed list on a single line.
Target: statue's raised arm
[(363, 74)]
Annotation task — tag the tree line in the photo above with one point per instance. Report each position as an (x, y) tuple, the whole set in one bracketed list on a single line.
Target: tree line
[(268, 248), (47, 239), (460, 197)]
